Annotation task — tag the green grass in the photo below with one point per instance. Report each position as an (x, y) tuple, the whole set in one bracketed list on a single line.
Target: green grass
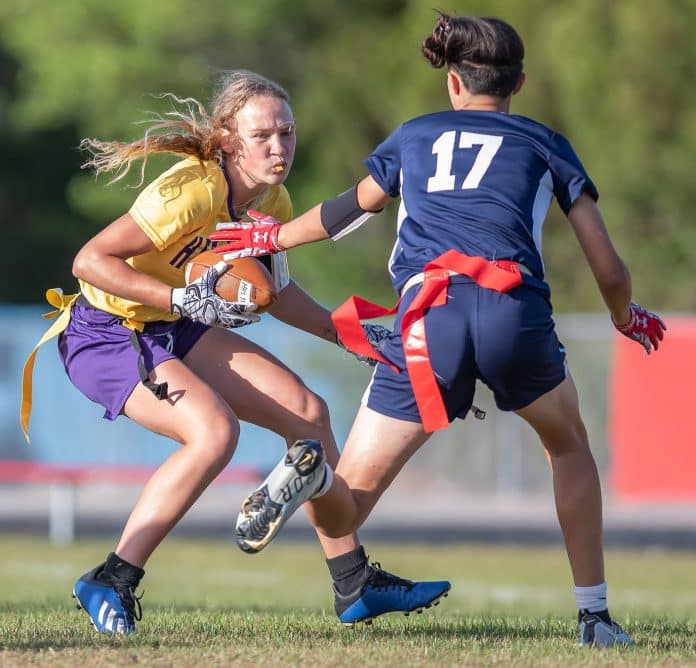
[(206, 604)]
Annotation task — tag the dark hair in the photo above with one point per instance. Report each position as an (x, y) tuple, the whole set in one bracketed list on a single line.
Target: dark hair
[(487, 53)]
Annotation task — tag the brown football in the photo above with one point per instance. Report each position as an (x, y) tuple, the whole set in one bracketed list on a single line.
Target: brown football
[(246, 280)]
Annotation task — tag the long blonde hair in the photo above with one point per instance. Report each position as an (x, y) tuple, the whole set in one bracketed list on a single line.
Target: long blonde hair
[(188, 129)]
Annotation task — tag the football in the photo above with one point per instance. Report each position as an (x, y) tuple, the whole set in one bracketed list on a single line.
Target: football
[(247, 280)]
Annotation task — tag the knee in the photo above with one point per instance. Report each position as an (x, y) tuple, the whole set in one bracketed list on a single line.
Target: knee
[(574, 440), (314, 410), (218, 439)]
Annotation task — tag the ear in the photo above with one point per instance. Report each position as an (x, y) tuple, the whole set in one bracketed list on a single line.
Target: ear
[(520, 83), (454, 83)]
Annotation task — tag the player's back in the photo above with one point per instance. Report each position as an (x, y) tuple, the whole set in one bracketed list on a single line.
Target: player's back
[(477, 181)]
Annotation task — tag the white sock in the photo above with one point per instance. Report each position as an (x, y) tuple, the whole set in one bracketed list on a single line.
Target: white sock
[(326, 483), (592, 599)]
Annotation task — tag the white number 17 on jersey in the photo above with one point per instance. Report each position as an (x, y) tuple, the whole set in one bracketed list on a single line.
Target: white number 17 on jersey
[(443, 147)]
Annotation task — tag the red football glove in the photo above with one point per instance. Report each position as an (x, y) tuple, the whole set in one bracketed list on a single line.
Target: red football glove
[(259, 237), (644, 327)]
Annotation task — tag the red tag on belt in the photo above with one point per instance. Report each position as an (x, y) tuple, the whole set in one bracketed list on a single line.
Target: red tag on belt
[(499, 275)]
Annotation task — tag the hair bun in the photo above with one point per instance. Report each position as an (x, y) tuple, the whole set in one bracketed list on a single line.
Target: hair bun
[(434, 47)]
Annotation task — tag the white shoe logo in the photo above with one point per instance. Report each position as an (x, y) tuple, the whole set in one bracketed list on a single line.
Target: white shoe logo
[(109, 618)]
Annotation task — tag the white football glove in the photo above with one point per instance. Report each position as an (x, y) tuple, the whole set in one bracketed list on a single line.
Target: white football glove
[(199, 302), (376, 336)]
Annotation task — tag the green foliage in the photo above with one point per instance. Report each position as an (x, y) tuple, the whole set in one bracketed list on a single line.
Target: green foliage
[(615, 78)]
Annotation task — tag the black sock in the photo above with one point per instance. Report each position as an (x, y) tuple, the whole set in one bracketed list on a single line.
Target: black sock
[(602, 614), (120, 568), (348, 570)]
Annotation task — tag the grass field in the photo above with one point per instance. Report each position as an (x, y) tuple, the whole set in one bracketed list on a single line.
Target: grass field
[(206, 604)]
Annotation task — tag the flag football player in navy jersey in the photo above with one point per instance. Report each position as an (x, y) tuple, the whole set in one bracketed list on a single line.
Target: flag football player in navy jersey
[(141, 343), (475, 185)]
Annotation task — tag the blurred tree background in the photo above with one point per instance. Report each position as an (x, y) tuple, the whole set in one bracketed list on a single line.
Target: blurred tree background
[(615, 76)]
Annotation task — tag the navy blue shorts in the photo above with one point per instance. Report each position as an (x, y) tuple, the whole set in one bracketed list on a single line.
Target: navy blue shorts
[(506, 340)]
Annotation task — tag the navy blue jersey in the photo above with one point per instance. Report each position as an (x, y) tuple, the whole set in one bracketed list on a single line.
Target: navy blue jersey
[(479, 182)]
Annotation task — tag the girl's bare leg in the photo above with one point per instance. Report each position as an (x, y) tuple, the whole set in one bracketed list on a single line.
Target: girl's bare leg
[(556, 418), (261, 390), (376, 450), (196, 417)]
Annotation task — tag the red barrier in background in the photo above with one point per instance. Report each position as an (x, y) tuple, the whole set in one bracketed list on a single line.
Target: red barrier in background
[(652, 417), (31, 471)]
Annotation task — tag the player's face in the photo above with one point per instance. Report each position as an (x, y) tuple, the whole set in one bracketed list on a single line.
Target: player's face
[(266, 131)]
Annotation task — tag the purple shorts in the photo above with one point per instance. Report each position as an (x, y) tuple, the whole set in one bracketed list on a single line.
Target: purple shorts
[(101, 361)]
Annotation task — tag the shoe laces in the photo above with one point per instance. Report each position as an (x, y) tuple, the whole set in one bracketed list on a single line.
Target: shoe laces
[(380, 579), (129, 601)]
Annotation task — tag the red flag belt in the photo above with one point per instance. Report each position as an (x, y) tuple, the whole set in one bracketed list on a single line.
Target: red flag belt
[(499, 275)]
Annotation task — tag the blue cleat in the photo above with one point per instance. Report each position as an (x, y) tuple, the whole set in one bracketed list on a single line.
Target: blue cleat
[(109, 601), (383, 592)]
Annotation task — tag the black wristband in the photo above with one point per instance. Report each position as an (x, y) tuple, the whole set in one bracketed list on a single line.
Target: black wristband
[(342, 214)]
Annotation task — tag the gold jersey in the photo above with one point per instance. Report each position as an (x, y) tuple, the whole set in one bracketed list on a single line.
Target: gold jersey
[(177, 212)]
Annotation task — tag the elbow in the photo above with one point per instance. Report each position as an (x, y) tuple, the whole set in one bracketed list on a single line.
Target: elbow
[(78, 265), (82, 263)]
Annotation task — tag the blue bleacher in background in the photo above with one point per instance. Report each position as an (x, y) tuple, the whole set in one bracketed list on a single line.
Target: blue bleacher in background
[(68, 428)]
